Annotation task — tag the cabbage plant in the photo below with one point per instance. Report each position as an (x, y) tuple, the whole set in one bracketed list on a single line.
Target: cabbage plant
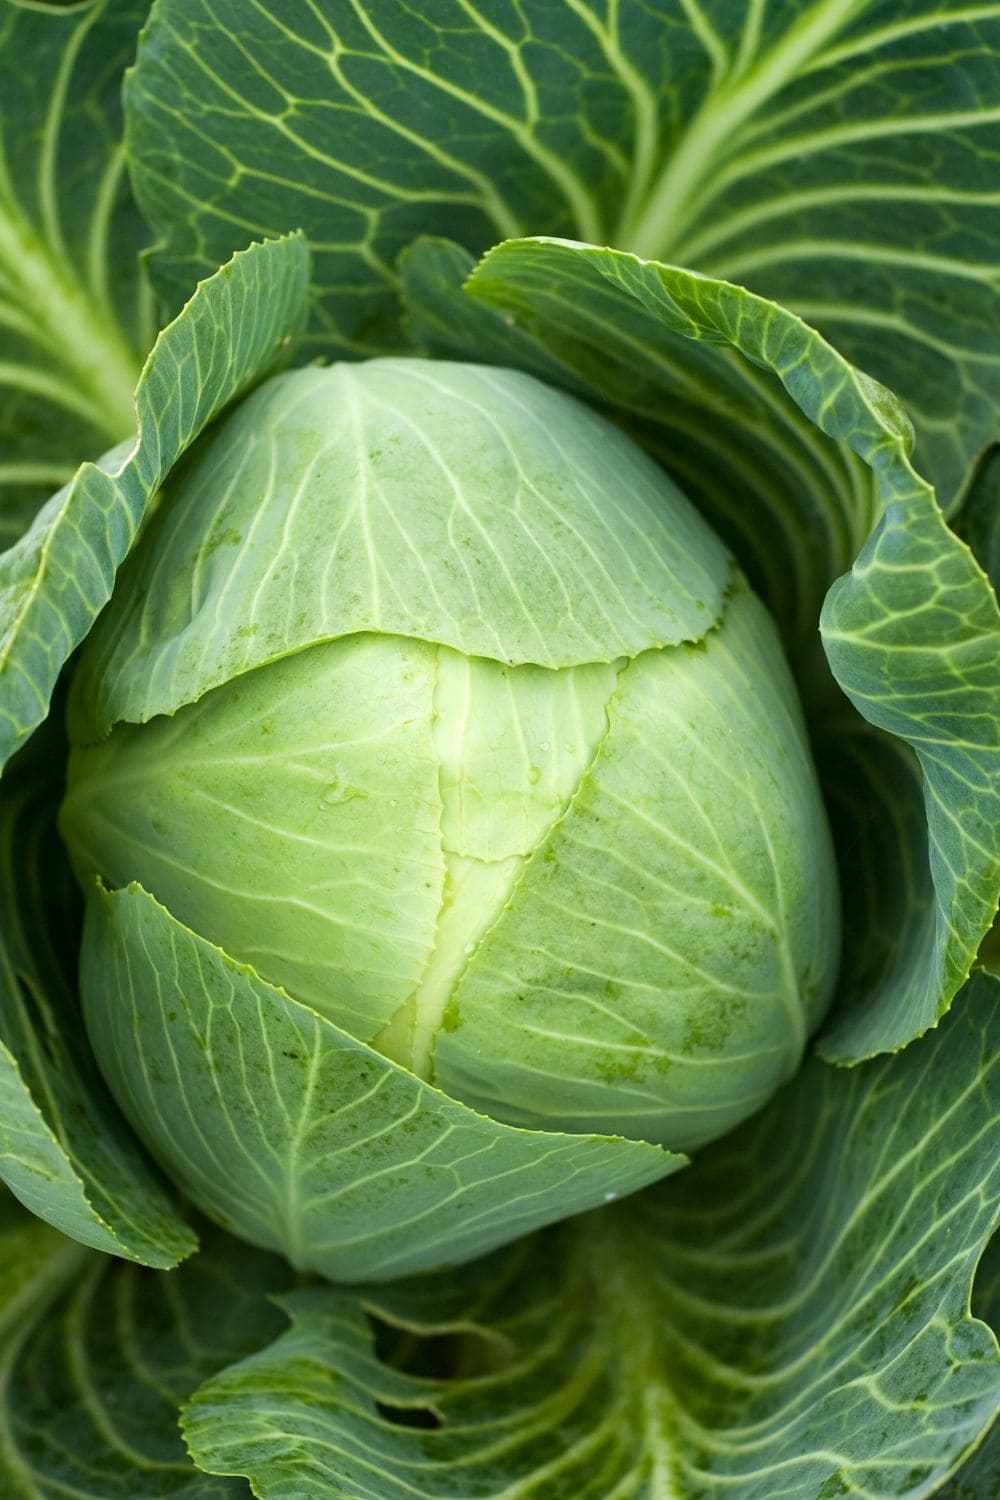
[(500, 830)]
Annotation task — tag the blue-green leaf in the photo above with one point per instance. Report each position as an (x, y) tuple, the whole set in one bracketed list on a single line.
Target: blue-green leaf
[(834, 155), (978, 1477), (96, 1358)]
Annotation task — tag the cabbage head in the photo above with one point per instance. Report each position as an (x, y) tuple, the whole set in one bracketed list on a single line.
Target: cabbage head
[(429, 699)]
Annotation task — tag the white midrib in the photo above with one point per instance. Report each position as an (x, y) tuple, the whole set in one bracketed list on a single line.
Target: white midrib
[(475, 893), (658, 1406), (78, 335), (656, 230)]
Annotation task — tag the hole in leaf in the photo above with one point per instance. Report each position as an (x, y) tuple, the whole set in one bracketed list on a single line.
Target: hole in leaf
[(454, 1354), (409, 1416), (986, 1286)]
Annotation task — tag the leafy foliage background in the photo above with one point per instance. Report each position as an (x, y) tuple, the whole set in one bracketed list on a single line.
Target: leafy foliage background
[(787, 1317)]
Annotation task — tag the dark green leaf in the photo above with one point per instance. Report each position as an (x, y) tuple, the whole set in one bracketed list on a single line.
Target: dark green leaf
[(788, 1320), (836, 156), (76, 314), (96, 1358), (979, 519)]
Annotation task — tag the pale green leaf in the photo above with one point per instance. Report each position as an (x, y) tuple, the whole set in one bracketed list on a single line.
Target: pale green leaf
[(63, 1148), (319, 1147), (454, 504), (659, 966), (325, 860)]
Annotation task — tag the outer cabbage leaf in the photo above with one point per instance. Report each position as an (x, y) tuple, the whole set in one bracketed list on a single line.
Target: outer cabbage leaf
[(831, 154), (788, 1320), (320, 1146), (96, 1358), (76, 312), (65, 1150), (63, 1147), (978, 1477), (57, 578)]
